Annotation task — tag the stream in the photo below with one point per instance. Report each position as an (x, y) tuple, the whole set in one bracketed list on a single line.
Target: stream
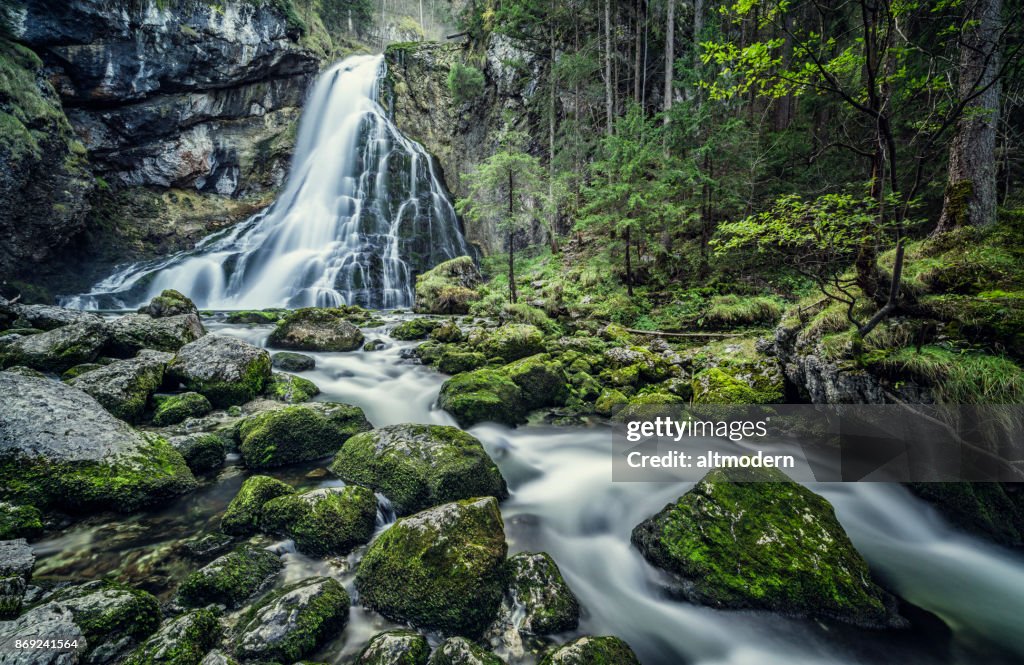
[(563, 502)]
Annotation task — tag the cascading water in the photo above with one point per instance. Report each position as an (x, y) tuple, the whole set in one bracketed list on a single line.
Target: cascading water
[(362, 213)]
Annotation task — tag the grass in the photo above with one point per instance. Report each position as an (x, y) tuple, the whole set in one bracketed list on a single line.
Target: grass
[(960, 377)]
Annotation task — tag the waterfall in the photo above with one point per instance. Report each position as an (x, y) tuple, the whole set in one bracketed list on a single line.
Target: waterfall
[(363, 211)]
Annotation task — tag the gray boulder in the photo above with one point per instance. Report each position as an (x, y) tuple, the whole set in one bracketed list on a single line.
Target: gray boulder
[(183, 640), (48, 317), (225, 370), (133, 332), (317, 329), (589, 650), (52, 620), (395, 647), (460, 651), (169, 303), (231, 579), (16, 558), (58, 349), (536, 585), (124, 387), (293, 362)]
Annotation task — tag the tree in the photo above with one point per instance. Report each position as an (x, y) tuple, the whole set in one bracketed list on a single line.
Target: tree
[(506, 189)]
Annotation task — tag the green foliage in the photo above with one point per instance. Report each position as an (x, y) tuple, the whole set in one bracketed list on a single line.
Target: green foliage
[(465, 83)]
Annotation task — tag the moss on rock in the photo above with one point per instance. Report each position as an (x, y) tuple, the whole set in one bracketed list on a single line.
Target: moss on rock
[(111, 615), (542, 380), (317, 329), (226, 371), (457, 362), (447, 332), (323, 521), (536, 585), (290, 361), (483, 395), (202, 452), (297, 433), (610, 402), (290, 389), (169, 303), (414, 329), (460, 651), (173, 409), (19, 521), (242, 516), (588, 650), (184, 640), (512, 342), (448, 287), (231, 579), (395, 647)]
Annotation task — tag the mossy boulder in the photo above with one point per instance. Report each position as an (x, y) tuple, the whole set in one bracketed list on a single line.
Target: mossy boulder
[(173, 409), (456, 362), (460, 651), (290, 389), (242, 516), (19, 521), (218, 657), (124, 387), (542, 380), (12, 592), (395, 647), (716, 385), (47, 317), (169, 303), (203, 451), (513, 341), (225, 370), (316, 329), (429, 352), (328, 520), (58, 349), (752, 538), (414, 329), (993, 510), (447, 332), (290, 361), (72, 372), (536, 585), (418, 466), (131, 333), (184, 640), (645, 404), (442, 568), (448, 287), (258, 316), (483, 395), (113, 617), (298, 433), (589, 650), (231, 579), (610, 402), (292, 622)]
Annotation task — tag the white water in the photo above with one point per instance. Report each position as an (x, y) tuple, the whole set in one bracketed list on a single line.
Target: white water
[(362, 212)]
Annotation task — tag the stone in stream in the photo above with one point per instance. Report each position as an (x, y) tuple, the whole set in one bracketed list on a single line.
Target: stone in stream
[(418, 466), (19, 521), (218, 657), (59, 447), (460, 651), (316, 329), (173, 409), (482, 395), (442, 568), (395, 647), (169, 303), (414, 329), (58, 349), (298, 433), (324, 521), (541, 380), (292, 622), (290, 389), (242, 517), (225, 370), (293, 362), (131, 333), (753, 538), (447, 332), (536, 585), (202, 451), (589, 650), (124, 387), (456, 362), (511, 341), (231, 579), (48, 317), (448, 287), (184, 640)]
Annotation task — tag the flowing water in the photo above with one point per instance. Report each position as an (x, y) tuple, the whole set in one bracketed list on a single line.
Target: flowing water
[(563, 502), (363, 212)]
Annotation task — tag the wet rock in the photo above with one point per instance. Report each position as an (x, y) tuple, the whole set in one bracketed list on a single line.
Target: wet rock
[(536, 585), (19, 521), (441, 568), (78, 370), (750, 382), (202, 452), (169, 303), (12, 590), (218, 657), (58, 349), (183, 640), (21, 370), (316, 329), (209, 546), (512, 342), (231, 579), (418, 466), (49, 317), (643, 405), (752, 538), (456, 362), (395, 647), (460, 651), (259, 316), (113, 617), (448, 287), (290, 389), (328, 520), (52, 620), (298, 433), (226, 371), (414, 329), (292, 622), (243, 513), (293, 362), (592, 651), (542, 381), (59, 447), (448, 332), (482, 395), (374, 345), (124, 387), (133, 332), (173, 409), (16, 558)]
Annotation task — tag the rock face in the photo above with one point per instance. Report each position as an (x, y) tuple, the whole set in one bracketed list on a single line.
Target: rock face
[(231, 579), (133, 332), (448, 287), (329, 520), (298, 433), (290, 623), (460, 651), (58, 349), (59, 446), (316, 329), (183, 640), (745, 538), (591, 651), (225, 370), (418, 466), (395, 647), (441, 568), (124, 387)]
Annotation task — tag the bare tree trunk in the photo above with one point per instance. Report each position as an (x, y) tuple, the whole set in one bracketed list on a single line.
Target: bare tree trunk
[(629, 266), (609, 101), (552, 108), (511, 244), (971, 188), (670, 58), (637, 48)]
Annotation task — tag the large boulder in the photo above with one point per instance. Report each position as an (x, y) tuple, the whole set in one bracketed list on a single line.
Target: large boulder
[(203, 451), (292, 622), (133, 332), (316, 329), (58, 349), (537, 589), (59, 447), (592, 651), (442, 568), (418, 466), (169, 303), (512, 341), (460, 651), (448, 287), (225, 370), (173, 409), (231, 579), (752, 538), (293, 362), (328, 520), (298, 433), (184, 640), (395, 647), (290, 389), (242, 517), (414, 329), (124, 387), (50, 619), (482, 395), (48, 317), (541, 380)]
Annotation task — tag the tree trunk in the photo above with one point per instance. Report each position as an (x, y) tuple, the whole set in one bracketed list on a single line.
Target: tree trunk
[(552, 108), (511, 244), (629, 267), (670, 58), (637, 49), (609, 101), (971, 188)]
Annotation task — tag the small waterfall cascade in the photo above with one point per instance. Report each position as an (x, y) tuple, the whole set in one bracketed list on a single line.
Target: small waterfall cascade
[(363, 211)]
